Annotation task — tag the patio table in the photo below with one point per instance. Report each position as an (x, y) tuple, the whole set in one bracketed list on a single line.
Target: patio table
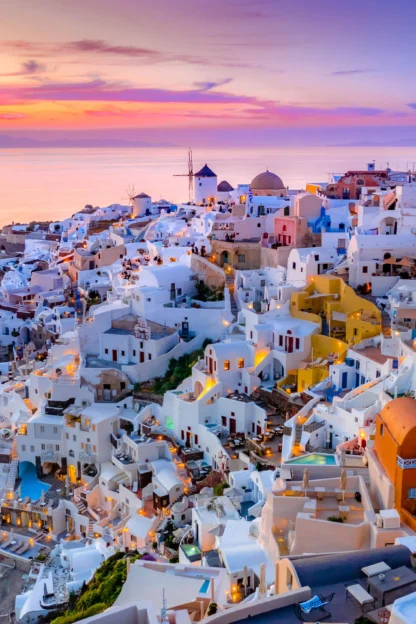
[(393, 579)]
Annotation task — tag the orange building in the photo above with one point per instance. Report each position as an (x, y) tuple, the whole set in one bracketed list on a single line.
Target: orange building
[(395, 447)]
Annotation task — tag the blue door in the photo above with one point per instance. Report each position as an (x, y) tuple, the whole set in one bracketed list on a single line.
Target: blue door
[(344, 382)]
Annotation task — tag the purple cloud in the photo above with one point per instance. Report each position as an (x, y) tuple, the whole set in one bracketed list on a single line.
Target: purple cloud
[(350, 72), (29, 68), (102, 47), (412, 105)]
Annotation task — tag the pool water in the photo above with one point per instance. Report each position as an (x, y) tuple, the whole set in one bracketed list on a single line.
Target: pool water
[(204, 587), (30, 484), (316, 459)]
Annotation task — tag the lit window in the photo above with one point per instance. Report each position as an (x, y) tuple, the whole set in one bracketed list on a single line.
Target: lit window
[(227, 365), (411, 493), (241, 363)]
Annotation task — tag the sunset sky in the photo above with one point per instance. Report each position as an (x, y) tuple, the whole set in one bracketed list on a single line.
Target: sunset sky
[(213, 71)]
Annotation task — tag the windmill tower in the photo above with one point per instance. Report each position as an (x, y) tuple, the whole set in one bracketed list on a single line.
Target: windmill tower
[(189, 175), (130, 196)]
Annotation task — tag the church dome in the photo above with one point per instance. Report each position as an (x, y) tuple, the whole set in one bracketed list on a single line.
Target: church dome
[(267, 181), (224, 187)]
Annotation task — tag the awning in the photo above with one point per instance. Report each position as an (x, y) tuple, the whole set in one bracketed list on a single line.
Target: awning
[(339, 316)]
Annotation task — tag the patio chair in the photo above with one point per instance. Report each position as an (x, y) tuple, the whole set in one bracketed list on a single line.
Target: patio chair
[(16, 547), (317, 603)]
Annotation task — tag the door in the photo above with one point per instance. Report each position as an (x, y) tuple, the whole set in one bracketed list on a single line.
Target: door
[(188, 438), (233, 425), (210, 366), (258, 430), (114, 355), (107, 392), (289, 344), (141, 357), (72, 473), (344, 381)]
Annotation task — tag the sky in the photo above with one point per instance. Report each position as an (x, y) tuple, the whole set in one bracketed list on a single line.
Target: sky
[(207, 72)]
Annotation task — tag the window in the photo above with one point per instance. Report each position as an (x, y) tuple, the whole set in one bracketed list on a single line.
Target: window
[(82, 445), (357, 364), (196, 438), (42, 429), (280, 341), (134, 352), (241, 257), (32, 449), (123, 353), (226, 365), (182, 434), (297, 343), (106, 351), (74, 437), (293, 265), (56, 447), (43, 447), (67, 436), (141, 345), (55, 429), (378, 374), (179, 292), (411, 493), (94, 427), (94, 448), (149, 356), (23, 447), (381, 429), (241, 363), (122, 385), (365, 269), (316, 257)]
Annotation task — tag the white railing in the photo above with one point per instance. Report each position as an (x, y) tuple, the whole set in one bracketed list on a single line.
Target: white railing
[(406, 463)]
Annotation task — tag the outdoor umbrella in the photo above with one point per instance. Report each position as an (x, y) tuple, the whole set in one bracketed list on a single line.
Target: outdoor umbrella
[(262, 585), (305, 480), (343, 483)]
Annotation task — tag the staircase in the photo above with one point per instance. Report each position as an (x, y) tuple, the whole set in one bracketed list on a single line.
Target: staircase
[(82, 508), (90, 532), (229, 280), (29, 405), (298, 436), (11, 477)]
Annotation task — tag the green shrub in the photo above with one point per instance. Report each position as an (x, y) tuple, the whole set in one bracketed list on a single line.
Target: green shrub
[(74, 616), (339, 519), (220, 487)]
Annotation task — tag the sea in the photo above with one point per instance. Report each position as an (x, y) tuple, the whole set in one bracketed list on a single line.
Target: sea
[(51, 184)]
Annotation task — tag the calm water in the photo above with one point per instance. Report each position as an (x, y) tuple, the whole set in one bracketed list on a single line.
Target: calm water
[(55, 183)]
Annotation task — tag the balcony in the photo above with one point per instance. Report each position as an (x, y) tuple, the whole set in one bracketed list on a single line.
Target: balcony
[(50, 457)]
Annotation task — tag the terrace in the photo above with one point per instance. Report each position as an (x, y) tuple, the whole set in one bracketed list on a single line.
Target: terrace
[(332, 574)]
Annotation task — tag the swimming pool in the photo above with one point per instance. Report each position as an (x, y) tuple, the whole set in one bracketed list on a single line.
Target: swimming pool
[(30, 484), (204, 587), (316, 459)]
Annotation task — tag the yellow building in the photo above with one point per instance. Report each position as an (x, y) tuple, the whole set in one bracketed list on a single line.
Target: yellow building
[(345, 319)]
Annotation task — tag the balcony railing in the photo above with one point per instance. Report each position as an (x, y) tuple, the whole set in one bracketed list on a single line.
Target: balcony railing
[(406, 463)]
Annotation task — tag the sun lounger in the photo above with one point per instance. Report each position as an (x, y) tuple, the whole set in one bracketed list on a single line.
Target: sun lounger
[(316, 603), (23, 549), (135, 486), (16, 547), (6, 544)]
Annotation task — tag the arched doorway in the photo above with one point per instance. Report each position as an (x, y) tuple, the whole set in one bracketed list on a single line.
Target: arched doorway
[(72, 473), (198, 388), (224, 258)]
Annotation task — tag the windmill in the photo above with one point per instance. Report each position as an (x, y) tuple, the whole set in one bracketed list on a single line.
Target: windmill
[(130, 195), (189, 175)]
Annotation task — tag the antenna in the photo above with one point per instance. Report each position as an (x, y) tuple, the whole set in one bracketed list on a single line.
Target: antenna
[(163, 611), (130, 195), (189, 175)]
